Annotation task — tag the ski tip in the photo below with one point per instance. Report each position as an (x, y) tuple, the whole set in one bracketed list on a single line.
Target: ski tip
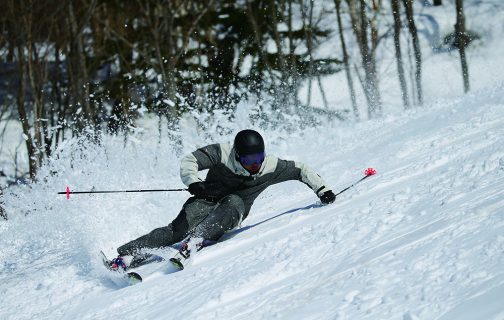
[(177, 263), (103, 257), (134, 278)]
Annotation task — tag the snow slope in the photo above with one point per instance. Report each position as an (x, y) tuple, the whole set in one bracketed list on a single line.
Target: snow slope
[(423, 239)]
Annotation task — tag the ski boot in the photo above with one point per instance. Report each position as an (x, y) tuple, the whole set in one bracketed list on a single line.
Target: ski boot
[(186, 247), (119, 265)]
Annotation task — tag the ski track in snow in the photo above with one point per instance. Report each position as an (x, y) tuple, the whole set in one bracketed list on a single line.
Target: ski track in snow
[(423, 239)]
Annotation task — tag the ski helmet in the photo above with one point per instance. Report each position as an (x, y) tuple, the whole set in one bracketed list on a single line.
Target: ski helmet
[(248, 142)]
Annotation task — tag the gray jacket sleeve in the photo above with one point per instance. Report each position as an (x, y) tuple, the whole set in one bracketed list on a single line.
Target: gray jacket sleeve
[(293, 170), (201, 159), (312, 179)]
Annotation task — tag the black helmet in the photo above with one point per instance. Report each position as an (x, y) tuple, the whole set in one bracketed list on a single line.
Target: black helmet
[(248, 142)]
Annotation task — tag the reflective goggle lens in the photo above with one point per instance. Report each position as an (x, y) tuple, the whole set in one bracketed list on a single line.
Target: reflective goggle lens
[(251, 159)]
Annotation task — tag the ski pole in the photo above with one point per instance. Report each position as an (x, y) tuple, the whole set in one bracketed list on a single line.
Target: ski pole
[(367, 173), (68, 192)]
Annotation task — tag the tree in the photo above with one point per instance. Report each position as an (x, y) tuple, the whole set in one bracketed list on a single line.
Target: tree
[(408, 5), (348, 73), (460, 39), (28, 27), (3, 214), (397, 44), (171, 26), (79, 14), (280, 71), (367, 45)]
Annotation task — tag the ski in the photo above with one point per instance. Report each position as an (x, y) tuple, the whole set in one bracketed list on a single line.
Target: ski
[(178, 261)]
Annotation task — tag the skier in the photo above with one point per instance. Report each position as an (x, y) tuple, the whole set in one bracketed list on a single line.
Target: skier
[(237, 175)]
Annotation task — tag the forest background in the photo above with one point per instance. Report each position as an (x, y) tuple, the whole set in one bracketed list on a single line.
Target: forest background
[(93, 67)]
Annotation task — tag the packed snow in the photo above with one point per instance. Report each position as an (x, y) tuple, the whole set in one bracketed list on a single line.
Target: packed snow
[(422, 239)]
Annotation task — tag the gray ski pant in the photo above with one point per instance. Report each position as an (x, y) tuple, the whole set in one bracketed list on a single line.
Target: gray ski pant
[(199, 218)]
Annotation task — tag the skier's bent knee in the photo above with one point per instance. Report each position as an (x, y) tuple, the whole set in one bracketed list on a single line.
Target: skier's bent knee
[(234, 201)]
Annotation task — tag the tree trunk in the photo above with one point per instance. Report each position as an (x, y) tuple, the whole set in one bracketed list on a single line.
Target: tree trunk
[(37, 141), (360, 25), (294, 81), (408, 5), (308, 29), (461, 40), (79, 76), (170, 54), (259, 43), (353, 98), (3, 214), (369, 64), (309, 46), (23, 117), (397, 44), (282, 92), (57, 95)]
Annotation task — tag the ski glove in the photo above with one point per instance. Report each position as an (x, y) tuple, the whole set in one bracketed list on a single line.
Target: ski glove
[(205, 190), (197, 189), (327, 197)]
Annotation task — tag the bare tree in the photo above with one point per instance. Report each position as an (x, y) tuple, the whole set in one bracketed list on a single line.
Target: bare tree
[(282, 93), (348, 73), (460, 39), (169, 39), (3, 214), (308, 26), (38, 37), (311, 47), (408, 5), (26, 30), (259, 41), (293, 65), (397, 44), (361, 26), (159, 33), (78, 69)]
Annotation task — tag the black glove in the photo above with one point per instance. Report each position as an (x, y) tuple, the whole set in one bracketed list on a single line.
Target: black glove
[(327, 197), (197, 189), (206, 190)]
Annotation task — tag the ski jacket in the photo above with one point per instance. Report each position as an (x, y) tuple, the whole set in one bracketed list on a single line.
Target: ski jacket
[(227, 176)]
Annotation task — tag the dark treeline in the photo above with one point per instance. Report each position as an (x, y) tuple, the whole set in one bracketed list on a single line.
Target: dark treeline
[(74, 67)]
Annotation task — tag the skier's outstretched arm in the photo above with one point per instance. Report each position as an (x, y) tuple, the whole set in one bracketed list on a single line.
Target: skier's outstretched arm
[(294, 170)]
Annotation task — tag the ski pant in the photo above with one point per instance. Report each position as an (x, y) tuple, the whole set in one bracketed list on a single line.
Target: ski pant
[(198, 218)]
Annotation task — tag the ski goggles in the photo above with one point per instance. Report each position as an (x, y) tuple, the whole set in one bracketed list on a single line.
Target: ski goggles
[(250, 159)]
